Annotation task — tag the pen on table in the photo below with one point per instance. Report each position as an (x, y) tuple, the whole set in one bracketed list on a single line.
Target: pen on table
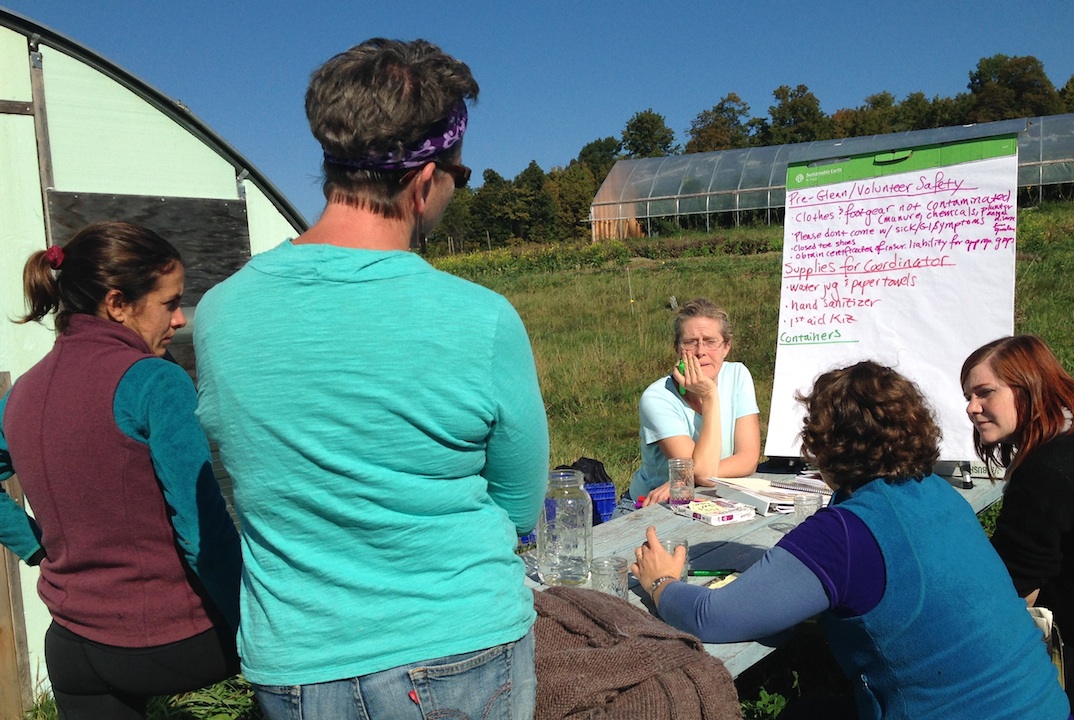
[(712, 573)]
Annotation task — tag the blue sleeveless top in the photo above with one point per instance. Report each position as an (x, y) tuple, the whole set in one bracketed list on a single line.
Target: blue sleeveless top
[(918, 653)]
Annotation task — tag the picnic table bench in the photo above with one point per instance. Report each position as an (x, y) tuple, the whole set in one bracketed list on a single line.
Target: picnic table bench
[(733, 546)]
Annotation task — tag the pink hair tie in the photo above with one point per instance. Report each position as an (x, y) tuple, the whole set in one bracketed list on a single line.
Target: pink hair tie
[(55, 257)]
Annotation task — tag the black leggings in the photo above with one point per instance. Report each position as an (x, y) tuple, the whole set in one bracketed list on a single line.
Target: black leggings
[(92, 681)]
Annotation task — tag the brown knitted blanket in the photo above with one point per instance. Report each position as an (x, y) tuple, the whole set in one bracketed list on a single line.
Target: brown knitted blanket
[(599, 657)]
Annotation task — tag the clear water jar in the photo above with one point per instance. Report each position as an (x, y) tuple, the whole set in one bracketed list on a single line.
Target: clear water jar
[(565, 530)]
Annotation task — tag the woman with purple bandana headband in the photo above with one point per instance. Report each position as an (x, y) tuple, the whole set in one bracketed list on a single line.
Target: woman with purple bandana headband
[(379, 138), (386, 436)]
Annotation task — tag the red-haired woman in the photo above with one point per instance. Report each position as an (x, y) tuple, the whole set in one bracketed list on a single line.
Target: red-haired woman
[(1020, 400)]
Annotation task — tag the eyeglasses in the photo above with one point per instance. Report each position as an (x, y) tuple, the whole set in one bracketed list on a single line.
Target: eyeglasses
[(707, 343), (459, 173)]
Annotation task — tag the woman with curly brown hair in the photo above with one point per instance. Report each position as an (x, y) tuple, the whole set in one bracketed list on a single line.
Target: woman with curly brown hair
[(915, 603)]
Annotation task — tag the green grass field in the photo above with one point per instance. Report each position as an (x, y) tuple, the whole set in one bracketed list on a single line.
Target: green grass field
[(600, 336)]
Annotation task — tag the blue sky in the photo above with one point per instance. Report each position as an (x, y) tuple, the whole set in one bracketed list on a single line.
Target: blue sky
[(554, 75)]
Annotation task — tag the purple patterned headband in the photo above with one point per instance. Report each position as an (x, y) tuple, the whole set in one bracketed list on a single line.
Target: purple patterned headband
[(443, 136)]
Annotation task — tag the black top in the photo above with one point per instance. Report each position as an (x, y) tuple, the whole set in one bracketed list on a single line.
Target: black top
[(1034, 529)]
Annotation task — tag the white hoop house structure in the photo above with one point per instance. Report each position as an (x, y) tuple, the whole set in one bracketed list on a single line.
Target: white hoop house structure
[(82, 140), (701, 187)]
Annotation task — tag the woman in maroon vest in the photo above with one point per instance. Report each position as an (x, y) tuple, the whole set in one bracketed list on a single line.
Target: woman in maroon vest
[(139, 558)]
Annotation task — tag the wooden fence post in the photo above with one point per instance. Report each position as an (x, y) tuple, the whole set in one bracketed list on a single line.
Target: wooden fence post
[(16, 696)]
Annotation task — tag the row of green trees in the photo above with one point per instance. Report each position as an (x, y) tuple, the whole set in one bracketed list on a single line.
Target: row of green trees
[(553, 206)]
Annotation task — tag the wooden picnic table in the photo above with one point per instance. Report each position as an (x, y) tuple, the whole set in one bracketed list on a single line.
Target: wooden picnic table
[(733, 546)]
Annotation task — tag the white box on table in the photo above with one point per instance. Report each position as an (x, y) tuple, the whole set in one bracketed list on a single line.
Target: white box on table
[(716, 511)]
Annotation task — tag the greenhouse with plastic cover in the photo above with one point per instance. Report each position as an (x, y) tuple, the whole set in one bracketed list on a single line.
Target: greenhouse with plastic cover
[(643, 197)]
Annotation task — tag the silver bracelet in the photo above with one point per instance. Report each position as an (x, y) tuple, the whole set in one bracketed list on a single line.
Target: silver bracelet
[(660, 581)]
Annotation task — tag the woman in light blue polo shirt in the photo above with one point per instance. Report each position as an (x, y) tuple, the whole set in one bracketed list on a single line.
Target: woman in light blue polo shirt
[(715, 421)]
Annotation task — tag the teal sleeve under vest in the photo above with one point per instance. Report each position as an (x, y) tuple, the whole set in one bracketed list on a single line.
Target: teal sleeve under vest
[(154, 404), (18, 531)]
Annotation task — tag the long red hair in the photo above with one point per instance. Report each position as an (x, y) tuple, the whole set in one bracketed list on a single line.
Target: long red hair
[(1043, 390)]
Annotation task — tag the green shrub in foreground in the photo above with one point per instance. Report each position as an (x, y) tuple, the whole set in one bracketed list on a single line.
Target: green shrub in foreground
[(231, 699)]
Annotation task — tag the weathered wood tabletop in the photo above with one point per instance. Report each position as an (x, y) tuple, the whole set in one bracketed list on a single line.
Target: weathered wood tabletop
[(734, 546)]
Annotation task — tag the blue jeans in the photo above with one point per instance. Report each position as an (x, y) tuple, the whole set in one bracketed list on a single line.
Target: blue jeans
[(625, 506), (498, 683)]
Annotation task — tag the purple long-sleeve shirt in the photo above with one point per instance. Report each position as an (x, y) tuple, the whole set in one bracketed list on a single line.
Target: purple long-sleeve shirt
[(829, 562)]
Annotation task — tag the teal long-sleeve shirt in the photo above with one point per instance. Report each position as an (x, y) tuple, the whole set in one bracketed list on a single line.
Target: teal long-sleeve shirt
[(155, 404), (384, 428)]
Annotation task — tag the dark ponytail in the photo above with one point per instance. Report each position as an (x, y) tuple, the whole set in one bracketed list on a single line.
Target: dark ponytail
[(39, 287), (102, 257)]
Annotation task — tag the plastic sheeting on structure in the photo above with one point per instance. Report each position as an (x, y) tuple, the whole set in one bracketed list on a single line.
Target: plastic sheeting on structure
[(731, 181)]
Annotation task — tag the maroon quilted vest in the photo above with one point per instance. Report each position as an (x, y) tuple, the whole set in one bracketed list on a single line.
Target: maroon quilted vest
[(113, 573)]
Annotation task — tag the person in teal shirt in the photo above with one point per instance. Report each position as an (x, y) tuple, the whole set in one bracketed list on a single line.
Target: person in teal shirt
[(382, 423)]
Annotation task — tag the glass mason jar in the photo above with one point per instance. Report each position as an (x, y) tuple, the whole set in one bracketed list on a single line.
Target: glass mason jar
[(565, 530)]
